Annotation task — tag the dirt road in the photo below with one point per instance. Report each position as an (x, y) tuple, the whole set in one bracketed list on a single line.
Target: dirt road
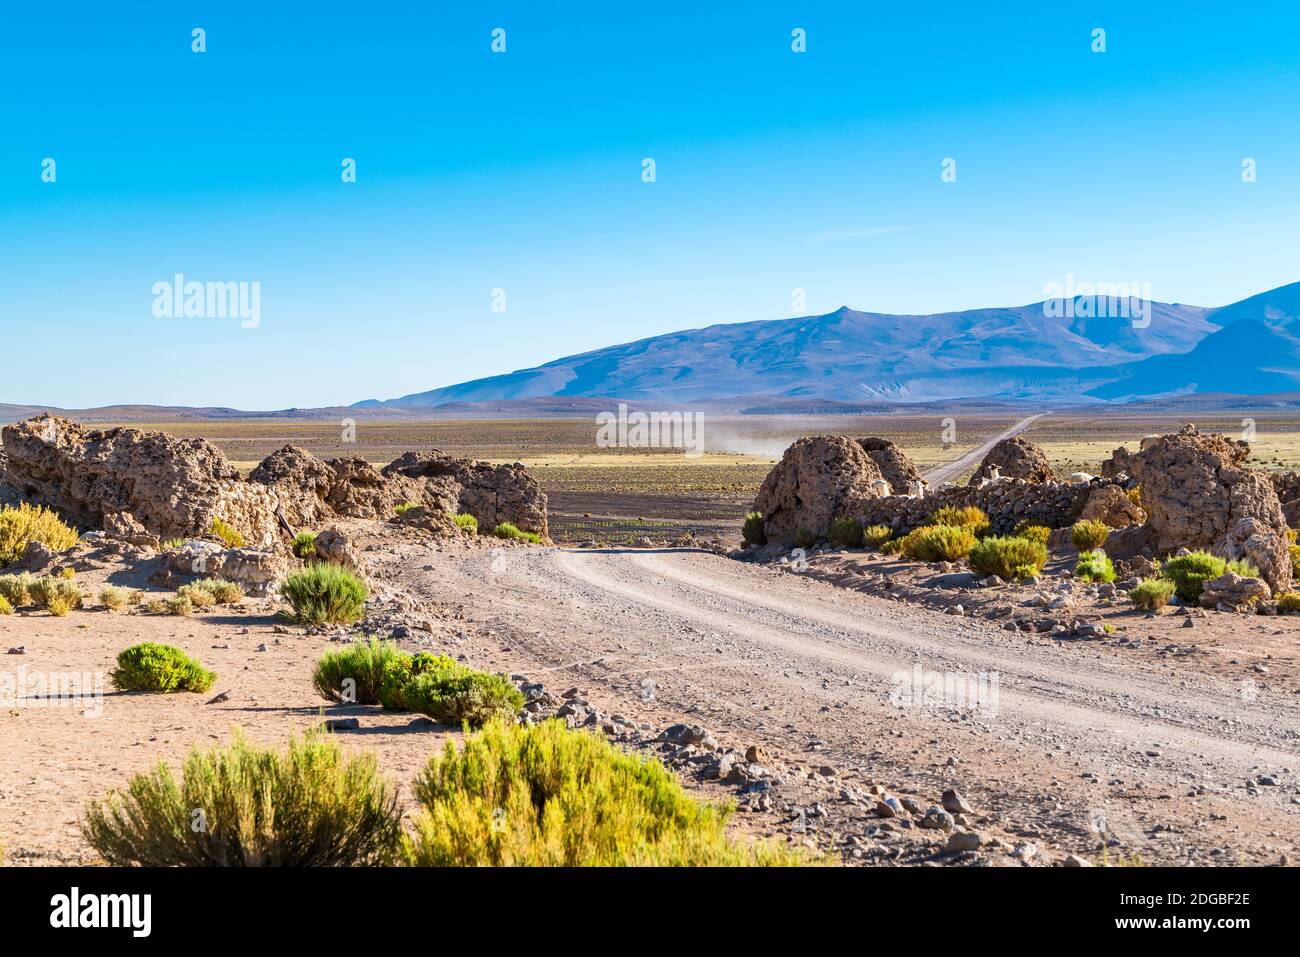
[(959, 466), (1071, 747)]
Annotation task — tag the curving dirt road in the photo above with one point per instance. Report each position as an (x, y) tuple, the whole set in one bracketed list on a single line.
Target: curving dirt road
[(1167, 761), (959, 466)]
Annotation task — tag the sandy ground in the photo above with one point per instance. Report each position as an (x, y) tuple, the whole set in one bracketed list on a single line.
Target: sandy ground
[(1095, 748)]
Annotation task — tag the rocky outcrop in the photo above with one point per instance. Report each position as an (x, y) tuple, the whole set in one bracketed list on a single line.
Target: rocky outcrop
[(301, 481), (1110, 504), (1231, 592), (1198, 494), (172, 487), (895, 467), (491, 493), (820, 478), (1014, 458), (258, 571), (1119, 466), (334, 547)]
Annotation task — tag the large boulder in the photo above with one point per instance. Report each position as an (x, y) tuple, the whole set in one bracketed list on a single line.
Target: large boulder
[(1109, 504), (1014, 458), (1197, 494), (895, 467), (1231, 592), (820, 478), (172, 487), (301, 481)]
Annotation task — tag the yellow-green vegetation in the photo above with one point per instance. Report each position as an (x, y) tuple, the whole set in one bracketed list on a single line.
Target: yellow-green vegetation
[(936, 543), (1095, 566), (31, 523), (5, 607), (170, 544), (752, 532), (1294, 552), (115, 597), (178, 604), (507, 530), (403, 508), (16, 589), (1036, 533), (875, 536), (1190, 572), (323, 594), (355, 674), (1288, 603), (1151, 594), (547, 796), (966, 516), (1009, 558), (467, 523), (845, 533), (58, 596), (460, 695), (227, 533), (150, 666), (308, 806), (1089, 534), (68, 573), (199, 598), (207, 592), (304, 546), (1135, 495)]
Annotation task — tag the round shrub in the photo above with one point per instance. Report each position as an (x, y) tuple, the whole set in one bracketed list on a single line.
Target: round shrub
[(752, 533), (5, 607), (1289, 603), (16, 589), (845, 532), (965, 516), (324, 594), (1151, 594), (154, 667), (937, 543), (1095, 566), (356, 673), (399, 672), (875, 536), (58, 596), (467, 523), (1008, 558), (304, 546), (1190, 572), (27, 523), (461, 696), (1035, 533), (1088, 534)]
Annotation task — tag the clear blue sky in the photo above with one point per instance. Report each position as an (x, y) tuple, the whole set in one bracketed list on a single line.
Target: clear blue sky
[(775, 170)]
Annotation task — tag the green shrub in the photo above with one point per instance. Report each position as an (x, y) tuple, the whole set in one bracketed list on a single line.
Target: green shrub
[(1008, 558), (966, 516), (874, 536), (1089, 534), (364, 663), (1288, 603), (5, 607), (1035, 533), (1095, 566), (1135, 495), (227, 534), (154, 667), (845, 532), (27, 523), (399, 673), (460, 695), (304, 546), (1190, 572), (58, 596), (307, 807), (325, 594), (803, 538), (938, 543), (199, 598), (212, 591), (1151, 594), (752, 532), (115, 597), (16, 589), (507, 530), (179, 604), (547, 796), (170, 544), (467, 523), (403, 508)]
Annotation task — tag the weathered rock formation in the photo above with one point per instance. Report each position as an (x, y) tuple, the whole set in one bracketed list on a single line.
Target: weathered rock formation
[(820, 478), (895, 467), (1110, 504), (1230, 592), (1014, 458)]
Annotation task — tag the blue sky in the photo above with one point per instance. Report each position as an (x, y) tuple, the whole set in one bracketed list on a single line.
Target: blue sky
[(522, 171)]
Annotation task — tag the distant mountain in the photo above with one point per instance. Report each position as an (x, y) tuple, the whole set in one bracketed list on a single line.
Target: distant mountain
[(1022, 354)]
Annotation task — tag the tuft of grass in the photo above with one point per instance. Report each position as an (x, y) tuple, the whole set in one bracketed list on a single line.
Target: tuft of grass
[(207, 592), (507, 530), (5, 607), (16, 589), (1288, 603), (227, 533), (803, 538), (403, 508), (1088, 534), (31, 523), (179, 604), (115, 597), (546, 796), (323, 594), (1151, 594), (169, 544), (845, 532), (199, 598), (355, 674), (1035, 533), (874, 536), (937, 543), (460, 695), (965, 516), (752, 533), (58, 596), (467, 523), (1190, 572), (154, 667), (1095, 566), (1008, 558), (1135, 495), (241, 806), (1294, 552), (304, 546)]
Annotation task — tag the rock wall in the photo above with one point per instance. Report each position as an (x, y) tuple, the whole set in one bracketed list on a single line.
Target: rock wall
[(1007, 502), (895, 467)]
